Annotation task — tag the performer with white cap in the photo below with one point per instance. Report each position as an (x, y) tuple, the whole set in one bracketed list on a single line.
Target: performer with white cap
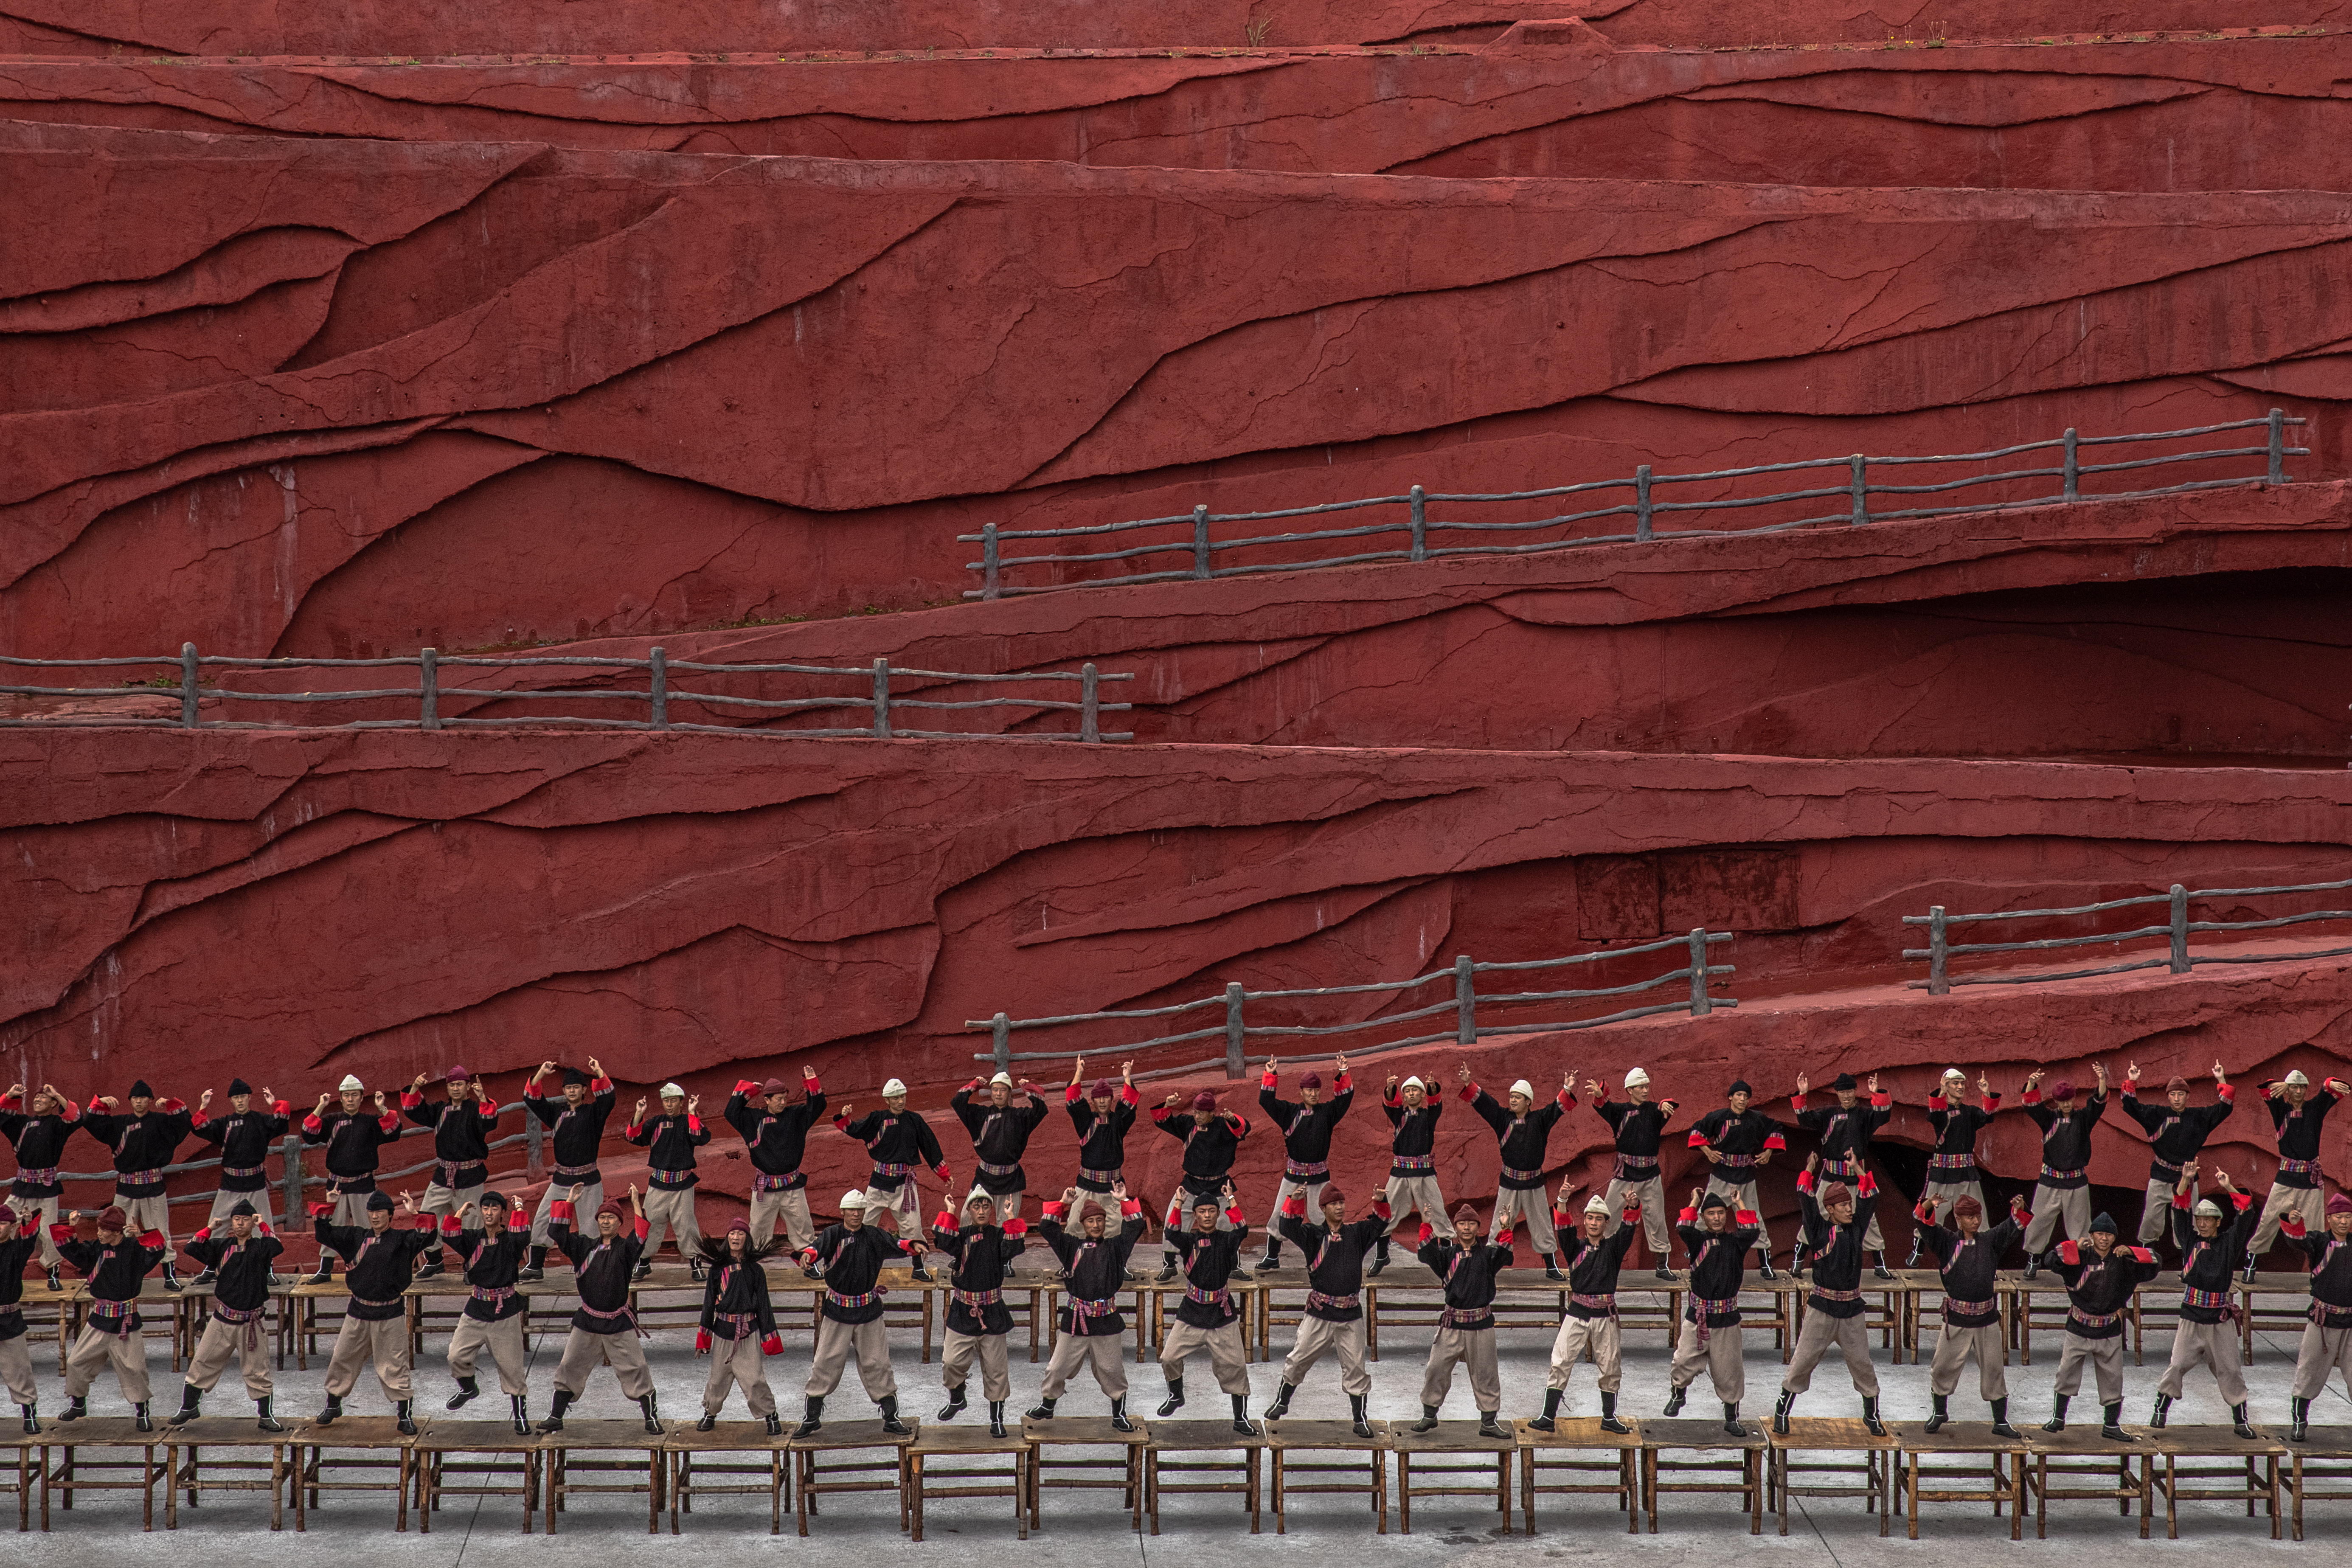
[(353, 1132), (900, 1143), (1843, 1132), (1102, 1117), (1207, 1318), (1465, 1268), (144, 1142), (2296, 1114), (669, 1141), (18, 1246), (1596, 1252), (37, 1132), (1522, 1134), (1968, 1257), (852, 1254), (979, 1252), (1092, 1330), (1412, 1158), (1638, 1122), (737, 1315), (575, 1131), (2326, 1345), (2064, 1190), (1952, 1165), (2175, 1136), (1000, 1131), (1738, 1141), (246, 1137), (1306, 1126), (1716, 1241), (774, 1125), (462, 1124), (2206, 1329), (240, 1260)]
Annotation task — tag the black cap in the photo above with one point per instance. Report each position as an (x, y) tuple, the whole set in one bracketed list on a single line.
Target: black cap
[(1713, 1200), (493, 1201), (376, 1201), (1739, 1086), (572, 1076), (237, 1086), (1844, 1084), (2105, 1222), (245, 1209), (138, 1089)]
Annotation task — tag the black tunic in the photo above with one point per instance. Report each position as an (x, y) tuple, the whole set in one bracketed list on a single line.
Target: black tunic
[(853, 1269), (39, 1143), (1718, 1264), (492, 1264), (376, 1269), (2099, 1290), (1957, 1124), (1412, 1145), (1306, 1129), (461, 1137), (670, 1142), (1523, 1140), (1637, 1128), (978, 1257), (2330, 1261), (777, 1140), (353, 1137), (142, 1145), (1209, 1148), (2066, 1139), (112, 1272), (1102, 1136), (1739, 1139), (2174, 1140), (998, 1138), (14, 1255), (738, 1291), (602, 1269), (1968, 1264), (2206, 1266), (573, 1134), (1592, 1265), (1335, 1260), (1844, 1134), (1833, 1252), (1097, 1270), (1468, 1276), (245, 1139), (2298, 1136), (1209, 1258), (898, 1140), (243, 1266)]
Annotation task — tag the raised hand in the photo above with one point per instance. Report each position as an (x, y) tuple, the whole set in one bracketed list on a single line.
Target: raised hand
[(204, 1100), (639, 1115), (1126, 1071), (1591, 1089), (1340, 1062), (1462, 1074), (595, 1067), (1390, 1088), (407, 1203), (1171, 1101), (544, 1067), (2131, 1072), (1873, 1084), (1804, 1085), (573, 1196), (416, 1083), (1984, 1085), (693, 1104), (462, 1213), (16, 1090), (632, 1197), (2221, 1074), (323, 1098), (380, 1106), (1696, 1194)]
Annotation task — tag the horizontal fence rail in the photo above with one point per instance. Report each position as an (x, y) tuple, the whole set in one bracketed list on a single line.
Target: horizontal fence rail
[(1849, 498), (1462, 1007), (657, 696), (2178, 928)]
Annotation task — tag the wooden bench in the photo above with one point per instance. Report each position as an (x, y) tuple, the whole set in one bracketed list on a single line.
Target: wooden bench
[(977, 1466), (40, 1305), (1104, 1449), (1997, 1475), (216, 1453), (1576, 1448), (1710, 1443), (2274, 1303), (2321, 1470), (1832, 1435), (1184, 1448), (475, 1459), (1440, 1452), (361, 1446), (826, 1463), (619, 1457), (1365, 1475), (719, 1463), (77, 1471), (30, 1469), (2238, 1469), (2079, 1455)]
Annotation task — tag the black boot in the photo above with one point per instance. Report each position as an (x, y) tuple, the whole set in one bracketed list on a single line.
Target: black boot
[(1240, 1416), (1428, 1421), (2155, 1417), (537, 1268), (2248, 1275), (1936, 1422), (468, 1391), (1661, 1271), (1175, 1400), (1870, 1417), (1490, 1423), (1550, 1420), (1551, 1267), (694, 1269), (55, 1284), (888, 1403), (1764, 1263), (954, 1406), (192, 1401), (140, 1414), (2000, 1427), (554, 1422), (32, 1414), (1042, 1410), (644, 1271), (205, 1276), (1167, 1269), (325, 1273), (2057, 1422), (710, 1421), (774, 1423), (1379, 1257), (1609, 1422), (1780, 1412), (2301, 1408), (334, 1407), (431, 1268), (1273, 1259), (522, 1416), (2240, 1422), (2111, 1425), (76, 1407), (2033, 1263), (1731, 1423), (651, 1406), (1880, 1268), (1675, 1397), (404, 1417), (1363, 1425), (1118, 1421), (262, 1416), (996, 1418), (812, 1420), (1281, 1406)]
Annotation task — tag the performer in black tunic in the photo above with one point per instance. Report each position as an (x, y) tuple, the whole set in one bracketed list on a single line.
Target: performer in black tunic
[(2064, 1190), (1413, 1112), (1737, 1141), (1952, 1167), (1522, 1134), (37, 1133), (144, 1141), (1717, 1241), (2296, 1116), (775, 1136), (1595, 1254), (2210, 1243), (999, 1128), (1968, 1256), (2175, 1134), (1334, 1318), (1830, 1245), (1844, 1131), (2327, 1337), (2100, 1279), (1465, 1268), (979, 1252), (900, 1141), (1092, 1328), (246, 1137), (1102, 1117), (239, 1260), (1638, 1124), (18, 1246), (113, 1267), (603, 1329), (378, 1263), (575, 1131), (669, 1141), (462, 1127), (739, 1329), (492, 1321), (850, 1321), (353, 1132), (1305, 1125), (1211, 1138), (1207, 1318)]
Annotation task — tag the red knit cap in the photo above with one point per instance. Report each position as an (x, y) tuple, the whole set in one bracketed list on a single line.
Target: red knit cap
[(1332, 1197), (112, 1219), (1836, 1193), (1205, 1100), (1967, 1208)]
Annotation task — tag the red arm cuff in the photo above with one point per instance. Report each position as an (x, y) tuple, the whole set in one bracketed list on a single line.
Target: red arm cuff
[(2069, 1252), (312, 1124), (1697, 1138), (203, 1235), (561, 1209), (1567, 1100), (1296, 1207), (946, 1222), (1129, 1209), (1342, 1084), (694, 1123), (1268, 1078), (1804, 1181), (2031, 1096), (1925, 1212), (1938, 1102), (2180, 1200), (1073, 1094), (630, 1132), (600, 1086), (61, 1233), (1053, 1209), (1868, 1185), (1127, 1092), (155, 1241), (2225, 1091), (410, 1099), (645, 1228), (1016, 1226), (1241, 1220), (1881, 1101), (1380, 1207), (744, 1086), (1469, 1093), (1776, 1142), (450, 1224), (389, 1121), (2243, 1200), (2291, 1225), (1687, 1217), (772, 1345), (1745, 1217), (1426, 1233), (2142, 1253), (315, 1210), (424, 1222)]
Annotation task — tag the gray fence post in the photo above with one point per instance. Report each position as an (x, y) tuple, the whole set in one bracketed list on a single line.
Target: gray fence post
[(1420, 525), (532, 1135), (2179, 929), (1465, 1002), (293, 1210), (2278, 445), (428, 689), (2073, 491), (1089, 703), (1860, 488), (1642, 501), (881, 698), (988, 589), (1701, 1003), (1236, 1042), (660, 689), (1001, 1027), (188, 720), (1937, 951), (1200, 542)]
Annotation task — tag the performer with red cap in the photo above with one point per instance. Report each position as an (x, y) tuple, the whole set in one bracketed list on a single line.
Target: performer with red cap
[(1307, 1125), (1638, 1124), (2063, 1191), (575, 1132), (1207, 1318), (849, 1321), (1716, 1242), (378, 1262), (1952, 1167), (670, 1140), (112, 1266), (18, 1244), (2326, 1343), (1092, 1330), (144, 1141), (1466, 1267), (900, 1143), (1412, 1158), (1737, 1141), (738, 1316), (463, 1124), (1843, 1132), (493, 1318), (1968, 1256), (2101, 1280), (2175, 1134), (1211, 1138), (353, 1132), (246, 1137), (979, 1252), (2206, 1329), (2296, 1115), (1102, 1117), (1522, 1134), (603, 1329), (37, 1133), (1595, 1254), (1333, 1322), (775, 1135), (999, 1129), (1831, 1245), (240, 1259)]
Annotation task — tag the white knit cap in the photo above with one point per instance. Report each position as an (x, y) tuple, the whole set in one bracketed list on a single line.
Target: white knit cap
[(1597, 1204), (1003, 1077), (894, 1087), (1525, 1088), (1413, 1082), (855, 1198), (671, 1092), (350, 1081), (2206, 1206), (1638, 1079), (2296, 1081), (1955, 1073)]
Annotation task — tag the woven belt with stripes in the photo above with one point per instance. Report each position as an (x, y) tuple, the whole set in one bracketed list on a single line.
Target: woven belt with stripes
[(249, 1320), (1970, 1309), (2078, 1319), (1736, 1162), (1951, 1162), (496, 1295), (836, 1299), (1412, 1164), (1082, 1308), (1841, 1169), (2298, 1167), (1511, 1175), (763, 1183), (1348, 1302), (155, 1178), (387, 1306), (1636, 1167), (881, 1169), (112, 1317), (42, 1178), (739, 1325), (626, 1314), (1467, 1317), (1219, 1298), (244, 1170), (988, 1170), (1595, 1304), (2327, 1316), (1822, 1293), (582, 1175), (2050, 1175), (1701, 1308), (671, 1181), (1292, 1170), (446, 1173), (2219, 1300), (2162, 1171), (1100, 1178), (975, 1299)]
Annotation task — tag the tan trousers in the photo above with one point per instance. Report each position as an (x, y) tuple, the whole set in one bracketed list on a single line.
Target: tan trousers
[(2155, 1213), (1651, 1196), (224, 1202), (2311, 1203), (247, 1344), (350, 1211), (1577, 1335), (791, 1208), (1416, 1195), (1953, 1348), (1942, 1195), (2106, 1359), (1284, 1191), (503, 1340), (1534, 1208), (837, 1343), (441, 1200), (17, 1370), (906, 1204), (672, 1211), (2215, 1345), (1723, 1357), (383, 1343), (1105, 1354), (43, 1213), (738, 1364), (995, 1368), (144, 1215), (93, 1349), (584, 1210), (2049, 1206), (1740, 1193), (1318, 1335), (1475, 1349), (2322, 1352), (1227, 1357), (623, 1352), (1850, 1335)]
